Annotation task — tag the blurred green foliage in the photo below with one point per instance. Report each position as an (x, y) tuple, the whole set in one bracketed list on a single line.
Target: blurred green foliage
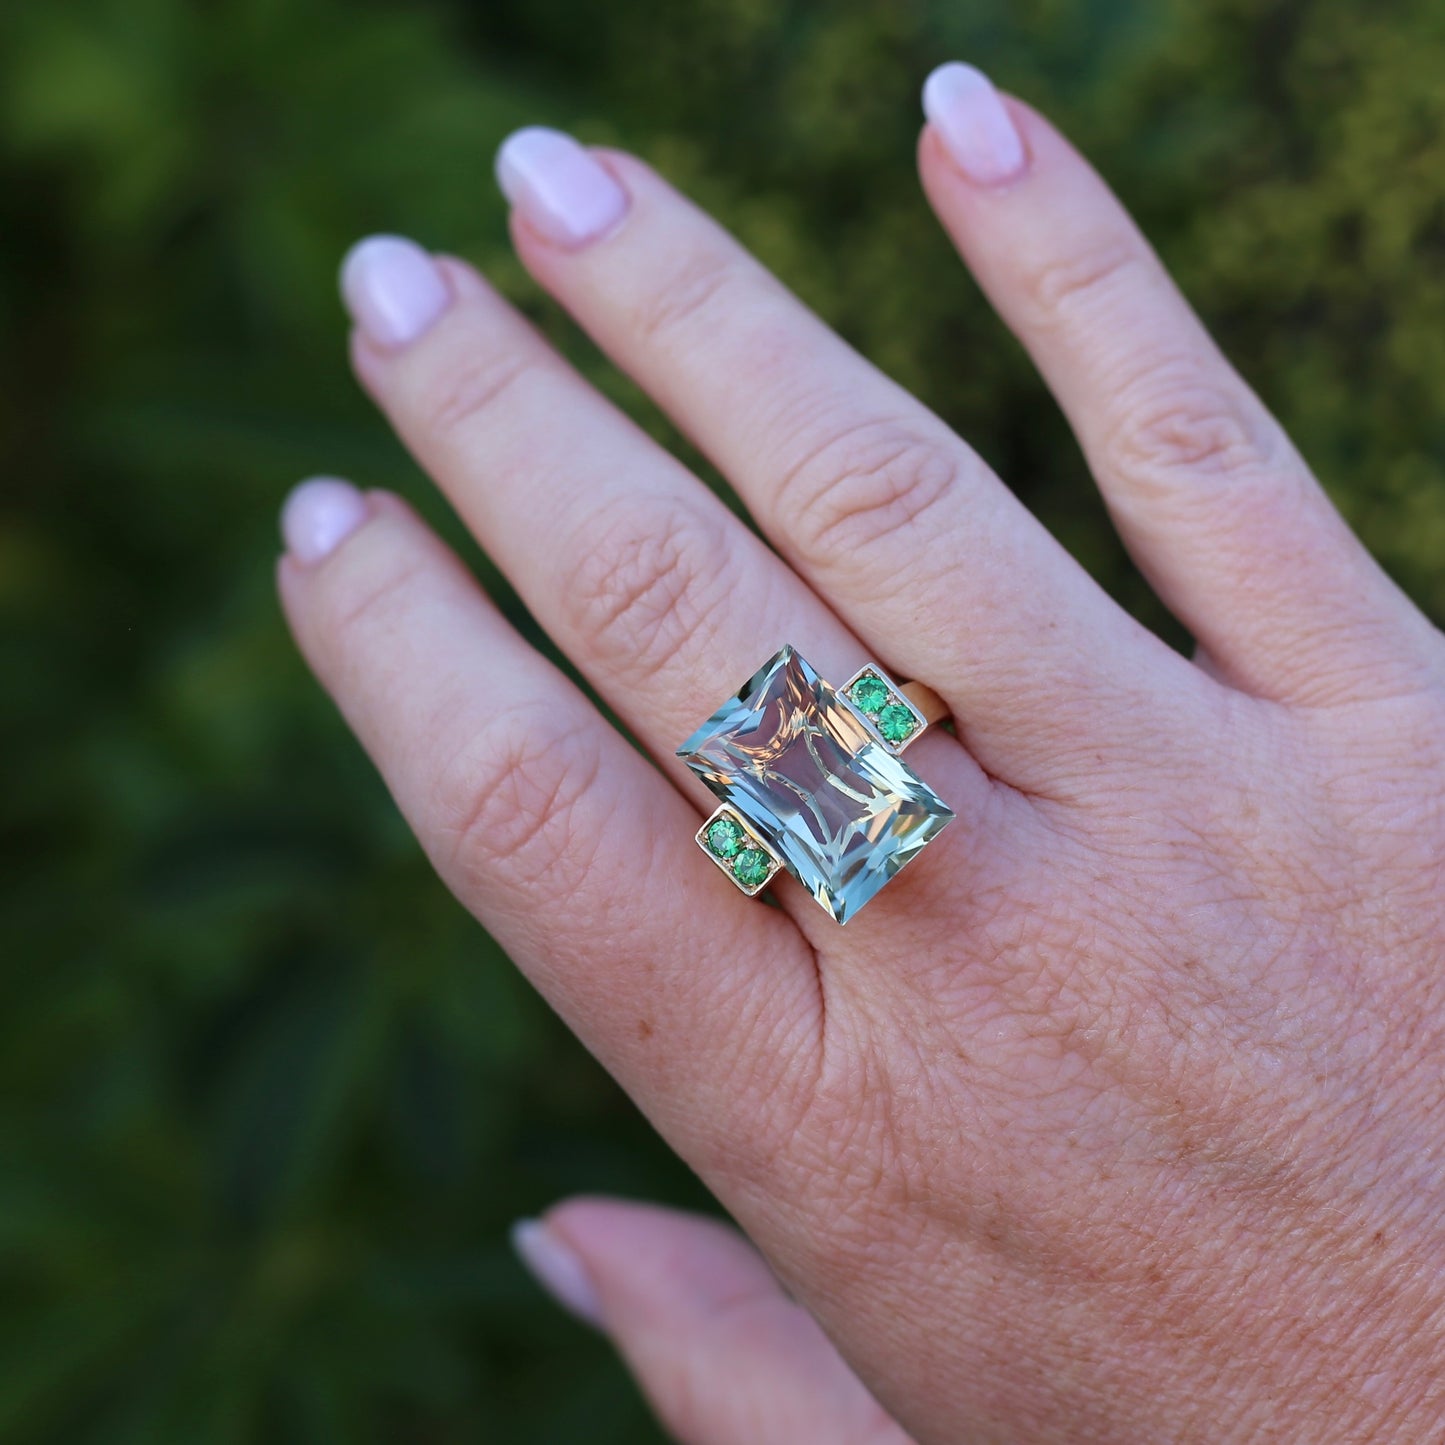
[(268, 1099)]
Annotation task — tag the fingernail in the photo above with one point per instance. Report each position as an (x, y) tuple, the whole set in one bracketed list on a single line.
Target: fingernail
[(393, 290), (558, 186), (974, 124), (558, 1268), (318, 516)]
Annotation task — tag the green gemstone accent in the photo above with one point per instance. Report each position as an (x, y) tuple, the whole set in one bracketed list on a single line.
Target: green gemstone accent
[(870, 693), (751, 866), (725, 838), (895, 722)]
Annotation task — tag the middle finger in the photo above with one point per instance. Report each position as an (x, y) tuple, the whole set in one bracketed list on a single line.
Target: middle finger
[(890, 515)]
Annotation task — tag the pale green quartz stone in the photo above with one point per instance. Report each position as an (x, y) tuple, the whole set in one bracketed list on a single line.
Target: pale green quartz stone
[(790, 756)]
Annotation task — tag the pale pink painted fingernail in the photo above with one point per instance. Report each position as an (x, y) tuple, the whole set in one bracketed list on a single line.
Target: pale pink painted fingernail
[(559, 187), (558, 1268), (393, 290), (974, 124), (319, 516)]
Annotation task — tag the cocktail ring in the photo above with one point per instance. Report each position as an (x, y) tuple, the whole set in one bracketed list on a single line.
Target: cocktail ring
[(811, 780)]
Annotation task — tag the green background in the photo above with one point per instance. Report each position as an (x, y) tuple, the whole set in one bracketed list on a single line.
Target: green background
[(268, 1098)]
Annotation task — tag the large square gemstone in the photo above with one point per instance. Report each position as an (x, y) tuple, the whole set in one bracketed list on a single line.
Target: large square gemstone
[(843, 813)]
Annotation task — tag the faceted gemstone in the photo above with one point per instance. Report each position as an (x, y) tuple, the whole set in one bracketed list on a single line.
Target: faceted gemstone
[(870, 693), (751, 866), (724, 837), (790, 757), (895, 722)]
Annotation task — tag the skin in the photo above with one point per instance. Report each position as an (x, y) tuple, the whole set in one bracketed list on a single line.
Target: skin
[(1118, 1116)]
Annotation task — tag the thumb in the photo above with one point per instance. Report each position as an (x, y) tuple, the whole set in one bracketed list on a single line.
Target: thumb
[(724, 1356)]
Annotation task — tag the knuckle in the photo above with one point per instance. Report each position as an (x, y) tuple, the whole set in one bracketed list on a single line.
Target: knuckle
[(640, 592), (684, 297), (511, 800), (865, 485), (472, 388), (846, 1113), (686, 1382), (1060, 284), (365, 598), (690, 1391), (1193, 426)]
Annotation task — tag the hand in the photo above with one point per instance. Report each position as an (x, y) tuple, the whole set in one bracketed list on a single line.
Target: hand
[(1118, 1115)]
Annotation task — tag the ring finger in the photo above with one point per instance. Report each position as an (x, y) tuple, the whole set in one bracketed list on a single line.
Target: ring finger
[(548, 826)]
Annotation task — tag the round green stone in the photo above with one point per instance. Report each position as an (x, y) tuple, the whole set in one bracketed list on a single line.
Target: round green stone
[(751, 866), (724, 837), (895, 722), (870, 693)]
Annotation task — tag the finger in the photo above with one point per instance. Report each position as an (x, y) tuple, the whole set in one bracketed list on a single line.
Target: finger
[(1211, 498), (546, 823), (893, 519), (638, 572), (725, 1357)]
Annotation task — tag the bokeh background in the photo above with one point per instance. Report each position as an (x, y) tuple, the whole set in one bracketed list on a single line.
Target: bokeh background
[(268, 1098)]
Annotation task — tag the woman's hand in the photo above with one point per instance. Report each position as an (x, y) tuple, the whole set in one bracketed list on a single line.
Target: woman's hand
[(1119, 1114)]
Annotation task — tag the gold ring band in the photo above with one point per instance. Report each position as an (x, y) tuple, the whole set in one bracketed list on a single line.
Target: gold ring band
[(928, 702)]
